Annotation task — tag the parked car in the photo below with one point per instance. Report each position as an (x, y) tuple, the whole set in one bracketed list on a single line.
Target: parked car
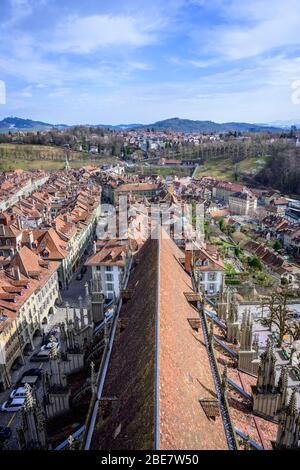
[(32, 372), (48, 346), (18, 392), (13, 405), (5, 433)]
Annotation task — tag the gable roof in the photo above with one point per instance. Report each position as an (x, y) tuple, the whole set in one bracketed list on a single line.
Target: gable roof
[(159, 368)]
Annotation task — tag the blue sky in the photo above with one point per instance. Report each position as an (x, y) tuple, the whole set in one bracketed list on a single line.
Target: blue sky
[(121, 61)]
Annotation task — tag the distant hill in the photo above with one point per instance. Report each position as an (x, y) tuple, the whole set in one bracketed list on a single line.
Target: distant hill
[(187, 125), (15, 124), (118, 126)]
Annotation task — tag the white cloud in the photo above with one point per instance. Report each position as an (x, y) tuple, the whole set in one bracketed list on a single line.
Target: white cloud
[(88, 34), (255, 28)]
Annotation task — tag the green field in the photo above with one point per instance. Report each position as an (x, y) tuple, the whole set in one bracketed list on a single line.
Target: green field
[(32, 157), (226, 170)]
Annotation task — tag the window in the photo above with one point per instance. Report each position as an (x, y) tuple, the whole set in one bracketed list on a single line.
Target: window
[(109, 277), (108, 268), (98, 268), (211, 276), (211, 288), (110, 287)]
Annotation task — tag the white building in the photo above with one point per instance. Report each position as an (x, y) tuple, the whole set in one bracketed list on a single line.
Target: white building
[(110, 259)]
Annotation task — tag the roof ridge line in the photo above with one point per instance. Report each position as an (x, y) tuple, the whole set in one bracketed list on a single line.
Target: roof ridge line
[(157, 350)]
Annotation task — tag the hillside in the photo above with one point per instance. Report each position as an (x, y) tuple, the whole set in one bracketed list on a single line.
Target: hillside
[(15, 124), (28, 157), (187, 125), (225, 169)]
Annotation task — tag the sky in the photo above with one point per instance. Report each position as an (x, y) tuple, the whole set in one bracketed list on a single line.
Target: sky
[(136, 61)]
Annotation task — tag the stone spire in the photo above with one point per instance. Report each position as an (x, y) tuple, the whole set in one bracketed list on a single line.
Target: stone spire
[(289, 425), (292, 406), (29, 399), (266, 370), (97, 299), (81, 310), (67, 164), (282, 385), (223, 301), (233, 310), (53, 351), (86, 289), (63, 338), (71, 443), (256, 344), (32, 433), (246, 332), (233, 326), (224, 380), (93, 378), (76, 322)]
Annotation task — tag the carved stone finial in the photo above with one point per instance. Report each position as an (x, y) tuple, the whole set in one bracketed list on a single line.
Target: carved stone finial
[(71, 443), (292, 406), (224, 379), (53, 351), (93, 378), (29, 400), (211, 333)]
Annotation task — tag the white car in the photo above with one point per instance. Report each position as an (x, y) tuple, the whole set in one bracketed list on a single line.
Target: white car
[(18, 393), (47, 347), (13, 405)]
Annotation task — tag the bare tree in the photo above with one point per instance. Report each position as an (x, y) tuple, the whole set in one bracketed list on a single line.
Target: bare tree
[(279, 314)]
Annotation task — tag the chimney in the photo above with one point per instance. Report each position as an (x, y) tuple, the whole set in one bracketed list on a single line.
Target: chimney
[(94, 248), (30, 239), (19, 223), (17, 273)]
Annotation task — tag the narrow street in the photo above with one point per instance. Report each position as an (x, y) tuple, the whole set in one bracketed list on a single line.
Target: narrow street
[(75, 289)]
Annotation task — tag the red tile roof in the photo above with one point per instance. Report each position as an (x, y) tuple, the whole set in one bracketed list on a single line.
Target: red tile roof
[(184, 375)]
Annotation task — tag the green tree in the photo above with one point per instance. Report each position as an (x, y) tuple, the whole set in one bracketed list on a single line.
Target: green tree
[(222, 225), (277, 245), (255, 263)]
